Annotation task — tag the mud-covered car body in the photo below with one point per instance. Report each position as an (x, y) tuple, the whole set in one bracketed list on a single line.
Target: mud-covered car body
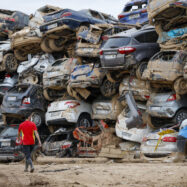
[(10, 150), (57, 75), (21, 100), (129, 48), (152, 147), (106, 109), (140, 89), (60, 143), (68, 112), (166, 108), (11, 21), (134, 12)]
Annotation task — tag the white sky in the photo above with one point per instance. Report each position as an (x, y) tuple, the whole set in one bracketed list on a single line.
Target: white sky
[(113, 7)]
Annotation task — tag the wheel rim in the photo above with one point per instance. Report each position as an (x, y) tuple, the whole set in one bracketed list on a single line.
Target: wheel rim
[(37, 119), (59, 42), (108, 88), (85, 122), (181, 116)]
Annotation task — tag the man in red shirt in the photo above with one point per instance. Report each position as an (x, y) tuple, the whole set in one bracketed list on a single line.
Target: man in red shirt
[(29, 131)]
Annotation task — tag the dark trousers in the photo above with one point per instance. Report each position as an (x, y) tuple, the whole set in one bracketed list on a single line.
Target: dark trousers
[(27, 150), (182, 144)]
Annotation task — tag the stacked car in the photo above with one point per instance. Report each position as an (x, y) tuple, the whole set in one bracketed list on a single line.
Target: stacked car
[(79, 72)]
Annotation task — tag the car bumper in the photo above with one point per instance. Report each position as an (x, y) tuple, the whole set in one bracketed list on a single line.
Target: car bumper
[(58, 122), (55, 82), (84, 84)]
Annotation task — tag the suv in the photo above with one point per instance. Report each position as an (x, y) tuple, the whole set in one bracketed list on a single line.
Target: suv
[(165, 69), (134, 12), (129, 50), (22, 100)]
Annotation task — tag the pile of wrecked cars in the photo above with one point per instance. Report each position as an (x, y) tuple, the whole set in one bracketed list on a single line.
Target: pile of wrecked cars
[(97, 86)]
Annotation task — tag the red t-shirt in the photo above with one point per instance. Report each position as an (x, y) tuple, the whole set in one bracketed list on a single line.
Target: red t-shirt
[(27, 128)]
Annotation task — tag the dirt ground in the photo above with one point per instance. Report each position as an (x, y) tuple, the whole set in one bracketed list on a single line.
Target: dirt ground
[(104, 173)]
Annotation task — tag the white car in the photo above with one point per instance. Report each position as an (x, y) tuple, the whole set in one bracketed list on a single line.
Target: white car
[(67, 112)]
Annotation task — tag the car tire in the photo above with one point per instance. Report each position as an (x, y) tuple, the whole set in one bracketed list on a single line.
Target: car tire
[(84, 120), (81, 29), (45, 46), (57, 44), (46, 95), (10, 62), (180, 116), (38, 118), (20, 55), (180, 86), (108, 88), (141, 68), (112, 78)]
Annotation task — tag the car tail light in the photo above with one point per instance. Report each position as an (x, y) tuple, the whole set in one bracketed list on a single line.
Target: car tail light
[(126, 50), (49, 105), (178, 3), (72, 104), (101, 52), (66, 14), (66, 146), (105, 38), (144, 139), (93, 77), (7, 76), (10, 19), (121, 16), (171, 98), (26, 101), (169, 139), (144, 11), (147, 96)]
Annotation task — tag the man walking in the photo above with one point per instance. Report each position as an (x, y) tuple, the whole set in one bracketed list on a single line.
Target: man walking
[(29, 131)]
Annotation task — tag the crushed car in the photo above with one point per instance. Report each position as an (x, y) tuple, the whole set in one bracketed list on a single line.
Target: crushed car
[(134, 12), (165, 109), (68, 112), (22, 100), (106, 109), (61, 143), (165, 69), (127, 51), (56, 77)]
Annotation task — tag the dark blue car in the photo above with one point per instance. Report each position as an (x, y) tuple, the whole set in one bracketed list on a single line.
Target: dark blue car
[(74, 19), (134, 12)]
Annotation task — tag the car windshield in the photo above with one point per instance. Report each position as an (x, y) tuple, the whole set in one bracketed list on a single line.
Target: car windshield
[(59, 137), (18, 89), (9, 132), (117, 42), (131, 8)]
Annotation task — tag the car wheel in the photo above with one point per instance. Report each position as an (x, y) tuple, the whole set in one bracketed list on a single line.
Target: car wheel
[(45, 46), (20, 55), (140, 70), (57, 44), (84, 120), (73, 152), (81, 29), (46, 95), (112, 77), (180, 86), (180, 116), (10, 62), (38, 118), (108, 88)]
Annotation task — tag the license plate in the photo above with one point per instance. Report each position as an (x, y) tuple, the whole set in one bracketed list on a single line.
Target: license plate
[(152, 142), (110, 56), (52, 26), (5, 144), (134, 16), (54, 114), (11, 98), (126, 134), (87, 49)]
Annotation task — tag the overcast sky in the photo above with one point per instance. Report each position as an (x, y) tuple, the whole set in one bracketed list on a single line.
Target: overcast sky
[(113, 7)]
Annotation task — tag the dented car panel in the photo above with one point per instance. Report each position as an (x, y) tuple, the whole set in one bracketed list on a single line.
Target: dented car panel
[(140, 89), (106, 109)]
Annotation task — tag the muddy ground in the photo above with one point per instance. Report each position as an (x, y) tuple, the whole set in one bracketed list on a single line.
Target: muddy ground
[(90, 173)]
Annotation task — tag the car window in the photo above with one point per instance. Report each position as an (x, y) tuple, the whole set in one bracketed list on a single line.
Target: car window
[(18, 89), (138, 6), (57, 138), (147, 37), (9, 132), (96, 14), (117, 42), (165, 56), (58, 62)]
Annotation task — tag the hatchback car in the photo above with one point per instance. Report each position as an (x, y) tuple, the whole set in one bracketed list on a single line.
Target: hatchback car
[(155, 145), (10, 150), (61, 143), (134, 12), (56, 77), (165, 109), (128, 50), (22, 100), (166, 70), (68, 112)]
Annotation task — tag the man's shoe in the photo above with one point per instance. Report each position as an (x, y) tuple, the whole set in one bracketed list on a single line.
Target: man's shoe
[(25, 170), (32, 170)]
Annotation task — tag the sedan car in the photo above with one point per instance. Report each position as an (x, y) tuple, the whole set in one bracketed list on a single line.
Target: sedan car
[(156, 145), (134, 12), (10, 150), (165, 109), (22, 100), (128, 50), (61, 143), (165, 69), (65, 112)]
